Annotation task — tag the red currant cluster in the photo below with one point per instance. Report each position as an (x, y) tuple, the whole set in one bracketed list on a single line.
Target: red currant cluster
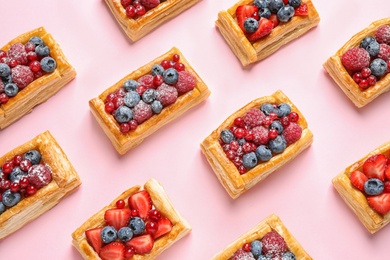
[(137, 8)]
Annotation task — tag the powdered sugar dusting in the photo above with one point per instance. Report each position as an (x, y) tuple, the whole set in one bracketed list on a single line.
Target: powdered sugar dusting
[(166, 94), (22, 76), (382, 35), (355, 59), (142, 112)]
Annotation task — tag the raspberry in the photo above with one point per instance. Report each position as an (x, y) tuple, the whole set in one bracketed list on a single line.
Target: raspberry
[(384, 52), (292, 133), (242, 255), (146, 81), (260, 135), (185, 83), (149, 4), (355, 59), (39, 175), (22, 76), (142, 112), (166, 94), (273, 244), (253, 117), (18, 53), (382, 35)]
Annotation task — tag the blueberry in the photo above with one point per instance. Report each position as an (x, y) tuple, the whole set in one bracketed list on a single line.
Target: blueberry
[(11, 89), (4, 70), (373, 48), (260, 4), (256, 248), (123, 114), (157, 69), (366, 41), (2, 207), (278, 144), (137, 225), (275, 5), (294, 3), (378, 67), (251, 25), (36, 40), (264, 12), (277, 125), (170, 76), (10, 198), (108, 234), (283, 109), (263, 153), (125, 234), (131, 98), (16, 174), (33, 156), (149, 95), (267, 108), (249, 160), (130, 85), (288, 256), (156, 107), (241, 141), (373, 186), (286, 13), (48, 64), (42, 50), (227, 136), (264, 257)]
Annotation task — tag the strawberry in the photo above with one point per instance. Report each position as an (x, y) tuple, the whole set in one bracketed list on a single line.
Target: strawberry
[(113, 251), (274, 19), (358, 179), (387, 187), (380, 203), (141, 202), (244, 12), (117, 218), (94, 239), (265, 28), (302, 10), (387, 170), (164, 226), (141, 244), (374, 166)]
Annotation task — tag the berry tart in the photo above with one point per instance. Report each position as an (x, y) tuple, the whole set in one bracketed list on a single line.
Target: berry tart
[(140, 224), (34, 177), (254, 29), (255, 141), (139, 17), (32, 69), (269, 239), (148, 98), (361, 67), (365, 187)]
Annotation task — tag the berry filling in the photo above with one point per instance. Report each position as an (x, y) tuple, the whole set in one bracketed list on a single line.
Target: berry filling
[(137, 8)]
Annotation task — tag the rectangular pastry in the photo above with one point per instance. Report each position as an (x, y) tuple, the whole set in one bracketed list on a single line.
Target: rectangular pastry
[(148, 98), (129, 219), (371, 205), (255, 141), (32, 69), (34, 177), (362, 75), (270, 238), (267, 35), (136, 24)]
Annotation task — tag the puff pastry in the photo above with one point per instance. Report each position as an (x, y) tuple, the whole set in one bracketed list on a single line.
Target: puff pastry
[(125, 142), (271, 223), (227, 173), (248, 52), (135, 29), (40, 89), (341, 76), (64, 180), (355, 199), (160, 201)]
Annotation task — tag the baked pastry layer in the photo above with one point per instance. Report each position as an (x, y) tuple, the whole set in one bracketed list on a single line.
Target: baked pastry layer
[(248, 52), (160, 201), (227, 173), (271, 223), (125, 142), (135, 29), (341, 76), (64, 180), (355, 199), (40, 89)]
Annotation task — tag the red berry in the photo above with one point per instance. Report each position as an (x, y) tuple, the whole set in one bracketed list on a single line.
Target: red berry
[(239, 133), (24, 182), (256, 16), (18, 53), (172, 63), (109, 107), (363, 84), (249, 135), (14, 187), (136, 3), (254, 117), (130, 11), (176, 57), (140, 10), (246, 247), (355, 59), (124, 128), (13, 63), (134, 213), (126, 3), (234, 145), (382, 34), (17, 159), (5, 184), (285, 121), (141, 89), (366, 72), (3, 98), (129, 252), (165, 64), (384, 52), (110, 97), (31, 190), (3, 54), (242, 169), (120, 204), (248, 147), (272, 133), (39, 175), (293, 117), (22, 76), (133, 125), (357, 77), (273, 244), (237, 161), (371, 80), (154, 215), (180, 66), (142, 112), (166, 94), (230, 154), (186, 82), (7, 167), (29, 46), (25, 165), (32, 56), (273, 116), (151, 227), (118, 101), (292, 133), (120, 92), (158, 80), (260, 135), (267, 121), (239, 122), (387, 187), (35, 66)]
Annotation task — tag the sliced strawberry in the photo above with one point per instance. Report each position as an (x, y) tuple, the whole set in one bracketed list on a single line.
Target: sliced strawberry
[(141, 202), (117, 218), (164, 226), (265, 28), (94, 239), (274, 19), (387, 171), (113, 251), (374, 166), (244, 12), (142, 244), (302, 10), (380, 203), (358, 179), (386, 187)]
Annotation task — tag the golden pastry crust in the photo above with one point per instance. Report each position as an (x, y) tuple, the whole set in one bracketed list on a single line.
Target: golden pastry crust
[(135, 29), (64, 181), (160, 201), (40, 89), (341, 76), (227, 173), (355, 199), (248, 52), (125, 142), (271, 223)]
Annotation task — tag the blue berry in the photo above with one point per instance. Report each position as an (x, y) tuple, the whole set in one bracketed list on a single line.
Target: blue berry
[(4, 70), (108, 234), (263, 153), (11, 89), (267, 108), (227, 136), (288, 256), (373, 48), (256, 248), (294, 3), (265, 12), (264, 257), (137, 225), (260, 3), (283, 109), (251, 25), (157, 69), (131, 98), (10, 198), (48, 64), (277, 125), (249, 160), (378, 67), (156, 107), (275, 5), (16, 174), (366, 41), (149, 95), (36, 40), (42, 50), (2, 207), (278, 144), (285, 13), (123, 114), (130, 85), (170, 76), (125, 234), (33, 156), (373, 186)]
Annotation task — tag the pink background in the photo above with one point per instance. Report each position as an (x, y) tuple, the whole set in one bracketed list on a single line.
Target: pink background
[(301, 192)]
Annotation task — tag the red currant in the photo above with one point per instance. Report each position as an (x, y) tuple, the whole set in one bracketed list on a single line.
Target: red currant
[(237, 161), (124, 128), (35, 66), (14, 187), (134, 213), (172, 63), (249, 135), (246, 247), (141, 89), (176, 57), (154, 215), (239, 133), (136, 3), (363, 84), (371, 80), (120, 92), (125, 3), (133, 125), (109, 107), (3, 98), (165, 64), (8, 166), (118, 101), (239, 122), (17, 159), (140, 10), (285, 121), (31, 190), (267, 121), (272, 133), (129, 252), (179, 66), (158, 80), (273, 116), (24, 182), (256, 16), (234, 145), (110, 97), (357, 77), (6, 184), (130, 11), (151, 227), (248, 147), (3, 54), (25, 165), (31, 56), (230, 154), (13, 63), (242, 169), (120, 204), (293, 117), (366, 72)]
